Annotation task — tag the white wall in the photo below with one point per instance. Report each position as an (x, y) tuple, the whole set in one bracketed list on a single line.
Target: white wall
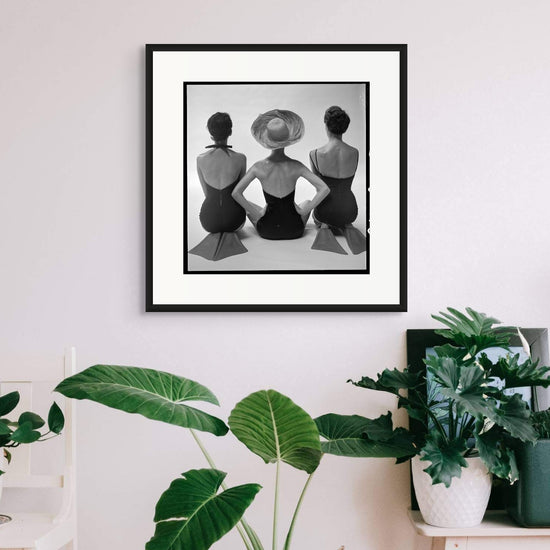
[(72, 226)]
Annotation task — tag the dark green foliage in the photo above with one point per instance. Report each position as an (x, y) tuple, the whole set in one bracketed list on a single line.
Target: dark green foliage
[(357, 436), (8, 402), (154, 394), (494, 449), (390, 381), (517, 375), (473, 331), (276, 429), (26, 429), (56, 420), (466, 409), (541, 423), (446, 457), (192, 515)]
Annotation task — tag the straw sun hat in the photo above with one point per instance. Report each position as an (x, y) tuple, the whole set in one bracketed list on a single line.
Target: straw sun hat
[(277, 128)]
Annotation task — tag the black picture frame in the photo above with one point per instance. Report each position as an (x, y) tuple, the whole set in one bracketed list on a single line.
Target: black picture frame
[(172, 286), (420, 340)]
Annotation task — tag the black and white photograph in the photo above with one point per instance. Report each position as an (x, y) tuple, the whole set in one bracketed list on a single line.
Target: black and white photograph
[(282, 183), (276, 177)]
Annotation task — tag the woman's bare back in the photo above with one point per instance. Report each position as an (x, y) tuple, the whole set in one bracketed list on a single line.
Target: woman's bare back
[(336, 160), (221, 167), (278, 178)]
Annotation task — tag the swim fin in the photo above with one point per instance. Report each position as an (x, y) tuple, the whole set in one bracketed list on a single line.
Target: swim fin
[(325, 240), (356, 240), (217, 246)]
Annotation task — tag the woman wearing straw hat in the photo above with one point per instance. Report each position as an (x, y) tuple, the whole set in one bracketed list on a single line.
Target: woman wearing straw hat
[(281, 218)]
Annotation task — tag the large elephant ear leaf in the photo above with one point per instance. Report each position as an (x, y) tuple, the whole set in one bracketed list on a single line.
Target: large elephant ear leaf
[(154, 394), (356, 436), (272, 426), (191, 515)]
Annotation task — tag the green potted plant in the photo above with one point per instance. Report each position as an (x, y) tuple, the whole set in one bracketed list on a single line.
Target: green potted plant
[(26, 429), (471, 415), (198, 508), (528, 500)]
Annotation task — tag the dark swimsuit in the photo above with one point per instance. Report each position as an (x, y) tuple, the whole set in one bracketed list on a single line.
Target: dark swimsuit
[(281, 220), (221, 216), (219, 212), (339, 208)]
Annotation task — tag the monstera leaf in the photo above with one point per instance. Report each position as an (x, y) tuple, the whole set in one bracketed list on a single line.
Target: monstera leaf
[(474, 331), (517, 375), (356, 436), (465, 386), (272, 426), (445, 370), (191, 515), (499, 459), (445, 457), (154, 394), (514, 416)]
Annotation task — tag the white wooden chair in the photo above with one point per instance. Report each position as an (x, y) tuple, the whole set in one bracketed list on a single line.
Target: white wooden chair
[(38, 530)]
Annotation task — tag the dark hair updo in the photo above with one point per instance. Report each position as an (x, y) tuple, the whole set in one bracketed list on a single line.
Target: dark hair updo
[(337, 120), (219, 125)]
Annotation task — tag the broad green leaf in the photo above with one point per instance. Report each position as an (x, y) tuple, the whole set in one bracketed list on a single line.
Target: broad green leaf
[(35, 420), (474, 331), (356, 436), (190, 515), (514, 416), (414, 406), (448, 350), (499, 459), (390, 381), (4, 429), (469, 395), (445, 370), (56, 420), (517, 375), (272, 426), (446, 458), (25, 434), (154, 394), (8, 402)]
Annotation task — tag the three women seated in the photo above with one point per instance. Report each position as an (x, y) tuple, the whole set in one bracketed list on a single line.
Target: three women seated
[(223, 176)]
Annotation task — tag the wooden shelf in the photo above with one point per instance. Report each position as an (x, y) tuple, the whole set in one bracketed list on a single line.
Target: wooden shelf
[(496, 523)]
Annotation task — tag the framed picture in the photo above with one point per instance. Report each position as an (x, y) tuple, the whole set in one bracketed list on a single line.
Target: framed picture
[(276, 177), (421, 344)]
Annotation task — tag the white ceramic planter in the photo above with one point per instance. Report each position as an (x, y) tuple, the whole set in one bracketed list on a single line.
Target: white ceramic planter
[(463, 504)]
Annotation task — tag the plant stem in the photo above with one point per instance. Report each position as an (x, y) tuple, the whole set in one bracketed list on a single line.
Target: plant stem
[(276, 507), (432, 416), (535, 398), (249, 544), (466, 425), (451, 421), (294, 517)]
